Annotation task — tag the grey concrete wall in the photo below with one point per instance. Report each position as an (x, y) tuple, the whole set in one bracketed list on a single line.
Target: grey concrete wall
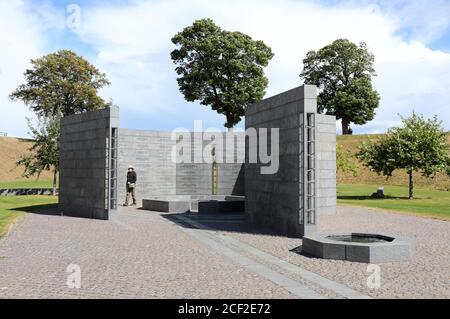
[(326, 165), (273, 200), (83, 163), (231, 179), (277, 200), (150, 153), (197, 178), (231, 176), (194, 178)]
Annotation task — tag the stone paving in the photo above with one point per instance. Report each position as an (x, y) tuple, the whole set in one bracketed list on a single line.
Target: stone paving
[(426, 275), (141, 254), (134, 255)]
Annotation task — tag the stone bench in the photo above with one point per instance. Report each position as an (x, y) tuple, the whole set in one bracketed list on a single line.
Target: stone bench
[(175, 204), (201, 203)]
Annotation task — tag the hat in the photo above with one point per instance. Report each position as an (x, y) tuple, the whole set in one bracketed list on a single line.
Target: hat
[(130, 166)]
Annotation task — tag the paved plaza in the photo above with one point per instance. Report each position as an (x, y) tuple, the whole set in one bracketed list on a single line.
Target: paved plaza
[(142, 254)]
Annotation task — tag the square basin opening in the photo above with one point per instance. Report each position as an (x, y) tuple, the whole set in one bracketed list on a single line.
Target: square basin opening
[(361, 238)]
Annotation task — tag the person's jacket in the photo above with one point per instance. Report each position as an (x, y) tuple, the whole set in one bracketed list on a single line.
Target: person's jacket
[(131, 177)]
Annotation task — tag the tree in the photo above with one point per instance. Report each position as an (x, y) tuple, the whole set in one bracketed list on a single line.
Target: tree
[(61, 84), (344, 161), (44, 154), (343, 72), (448, 167), (221, 69), (419, 146), (57, 85)]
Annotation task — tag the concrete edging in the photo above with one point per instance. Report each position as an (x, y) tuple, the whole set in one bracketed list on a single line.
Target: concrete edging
[(321, 246), (26, 191)]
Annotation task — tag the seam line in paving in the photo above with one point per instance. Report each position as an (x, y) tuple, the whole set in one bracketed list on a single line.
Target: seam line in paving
[(338, 288), (287, 283)]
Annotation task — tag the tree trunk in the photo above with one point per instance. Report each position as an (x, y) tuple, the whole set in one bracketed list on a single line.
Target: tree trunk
[(54, 183), (229, 125), (345, 127), (411, 185)]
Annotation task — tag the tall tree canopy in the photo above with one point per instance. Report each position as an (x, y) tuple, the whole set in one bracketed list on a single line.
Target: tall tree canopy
[(419, 146), (57, 85), (220, 68), (44, 153), (61, 84), (343, 72)]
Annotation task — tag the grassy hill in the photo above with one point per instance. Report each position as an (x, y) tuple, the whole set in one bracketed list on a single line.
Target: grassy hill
[(365, 176), (429, 200), (11, 149)]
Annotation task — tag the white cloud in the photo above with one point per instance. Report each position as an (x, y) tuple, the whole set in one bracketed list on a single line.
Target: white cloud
[(132, 45), (425, 21), (20, 40)]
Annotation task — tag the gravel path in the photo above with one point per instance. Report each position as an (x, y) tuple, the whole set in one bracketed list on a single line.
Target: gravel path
[(426, 275), (140, 254), (134, 255)]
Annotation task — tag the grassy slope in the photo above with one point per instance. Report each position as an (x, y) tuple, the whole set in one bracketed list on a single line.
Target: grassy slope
[(14, 207), (11, 149), (32, 183), (365, 176), (427, 203), (10, 177)]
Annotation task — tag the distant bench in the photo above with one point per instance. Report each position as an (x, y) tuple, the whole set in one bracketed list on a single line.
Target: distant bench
[(26, 191)]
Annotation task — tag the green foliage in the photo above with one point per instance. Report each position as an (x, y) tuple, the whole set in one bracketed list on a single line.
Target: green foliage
[(448, 167), (44, 154), (61, 84), (428, 203), (220, 68), (419, 146), (33, 183), (344, 161), (13, 207), (343, 72), (57, 85)]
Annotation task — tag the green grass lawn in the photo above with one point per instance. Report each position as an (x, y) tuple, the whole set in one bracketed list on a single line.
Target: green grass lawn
[(14, 207), (427, 202), (32, 183)]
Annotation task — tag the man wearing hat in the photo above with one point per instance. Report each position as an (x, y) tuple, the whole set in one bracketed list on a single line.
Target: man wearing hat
[(131, 185)]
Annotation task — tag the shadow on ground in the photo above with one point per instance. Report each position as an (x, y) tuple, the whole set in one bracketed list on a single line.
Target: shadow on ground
[(299, 250), (45, 209), (235, 223)]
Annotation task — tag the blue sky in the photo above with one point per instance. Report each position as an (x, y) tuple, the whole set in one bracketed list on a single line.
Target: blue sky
[(130, 42)]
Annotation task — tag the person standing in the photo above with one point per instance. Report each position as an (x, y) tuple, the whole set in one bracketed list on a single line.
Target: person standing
[(131, 186)]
